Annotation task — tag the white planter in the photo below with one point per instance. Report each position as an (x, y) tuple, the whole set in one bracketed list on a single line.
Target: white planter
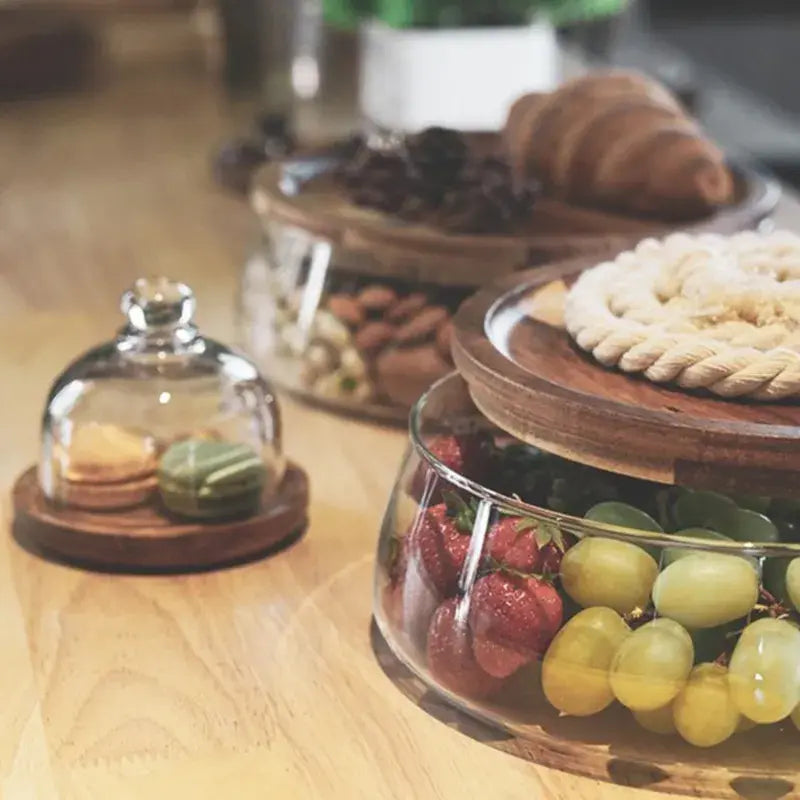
[(463, 78)]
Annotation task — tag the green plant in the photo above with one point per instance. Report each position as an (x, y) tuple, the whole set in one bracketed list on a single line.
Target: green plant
[(465, 13)]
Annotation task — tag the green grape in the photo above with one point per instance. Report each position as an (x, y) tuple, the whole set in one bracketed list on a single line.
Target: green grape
[(658, 720), (754, 502), (698, 509), (704, 712), (622, 515), (674, 553), (651, 665), (575, 667), (719, 513), (745, 525), (704, 590), (773, 576), (792, 582), (764, 674), (605, 572), (795, 717)]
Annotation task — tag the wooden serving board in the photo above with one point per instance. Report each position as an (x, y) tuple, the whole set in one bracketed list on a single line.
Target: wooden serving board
[(528, 378), (145, 538), (383, 245)]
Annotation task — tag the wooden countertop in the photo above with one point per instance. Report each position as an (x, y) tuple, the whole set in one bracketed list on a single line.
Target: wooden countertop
[(258, 681)]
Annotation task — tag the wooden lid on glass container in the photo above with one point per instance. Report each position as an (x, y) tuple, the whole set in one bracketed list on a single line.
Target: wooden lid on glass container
[(303, 193), (527, 377)]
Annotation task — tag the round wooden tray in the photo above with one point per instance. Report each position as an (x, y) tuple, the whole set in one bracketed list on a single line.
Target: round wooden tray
[(303, 193), (528, 378), (760, 764), (145, 539)]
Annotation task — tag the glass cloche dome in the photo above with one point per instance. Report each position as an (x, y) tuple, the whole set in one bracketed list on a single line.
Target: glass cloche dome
[(162, 416)]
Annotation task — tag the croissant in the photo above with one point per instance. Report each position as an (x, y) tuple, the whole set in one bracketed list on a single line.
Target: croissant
[(620, 141)]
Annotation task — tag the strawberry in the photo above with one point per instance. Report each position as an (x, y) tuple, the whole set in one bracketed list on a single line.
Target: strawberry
[(466, 455), (511, 544), (437, 545), (409, 598), (396, 568), (513, 617), (525, 545), (463, 454), (450, 655), (550, 558)]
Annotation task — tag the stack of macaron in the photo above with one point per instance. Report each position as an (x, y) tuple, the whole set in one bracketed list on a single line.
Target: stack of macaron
[(210, 479), (100, 466)]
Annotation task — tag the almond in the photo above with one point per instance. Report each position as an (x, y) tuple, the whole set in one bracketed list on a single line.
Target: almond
[(404, 374), (346, 308), (373, 336), (377, 298), (422, 325), (406, 306)]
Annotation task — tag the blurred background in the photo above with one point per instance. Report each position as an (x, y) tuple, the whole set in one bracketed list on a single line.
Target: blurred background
[(105, 104), (301, 59), (130, 129)]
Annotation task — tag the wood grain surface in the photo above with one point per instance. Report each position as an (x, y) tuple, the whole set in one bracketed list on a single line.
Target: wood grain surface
[(252, 682)]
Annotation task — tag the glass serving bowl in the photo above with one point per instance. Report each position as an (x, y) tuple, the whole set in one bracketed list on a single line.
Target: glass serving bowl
[(589, 612), (161, 416), (348, 338)]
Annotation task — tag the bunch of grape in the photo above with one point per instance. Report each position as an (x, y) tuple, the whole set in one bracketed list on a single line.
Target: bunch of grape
[(712, 658)]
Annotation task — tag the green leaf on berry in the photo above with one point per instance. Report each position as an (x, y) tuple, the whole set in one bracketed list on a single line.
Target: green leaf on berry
[(463, 512), (550, 533), (526, 524)]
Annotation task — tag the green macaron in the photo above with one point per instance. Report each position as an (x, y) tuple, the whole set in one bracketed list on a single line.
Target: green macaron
[(208, 479)]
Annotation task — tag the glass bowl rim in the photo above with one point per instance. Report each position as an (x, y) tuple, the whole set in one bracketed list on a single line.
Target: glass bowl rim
[(566, 522)]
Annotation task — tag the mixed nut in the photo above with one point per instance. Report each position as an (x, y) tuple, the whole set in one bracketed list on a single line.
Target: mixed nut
[(380, 342)]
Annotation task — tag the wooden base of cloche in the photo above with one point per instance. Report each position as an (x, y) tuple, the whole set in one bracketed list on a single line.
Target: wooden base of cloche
[(147, 539)]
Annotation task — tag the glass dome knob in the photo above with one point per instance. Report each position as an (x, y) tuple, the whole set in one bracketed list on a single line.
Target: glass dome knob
[(158, 303)]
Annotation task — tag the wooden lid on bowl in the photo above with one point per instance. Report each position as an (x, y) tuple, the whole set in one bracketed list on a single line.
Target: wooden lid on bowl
[(373, 243), (526, 376)]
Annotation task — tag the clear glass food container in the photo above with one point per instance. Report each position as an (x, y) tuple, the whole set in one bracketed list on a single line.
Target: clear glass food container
[(331, 331), (163, 417), (601, 618)]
